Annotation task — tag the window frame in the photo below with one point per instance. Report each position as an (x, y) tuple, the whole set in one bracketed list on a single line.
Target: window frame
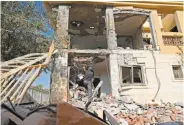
[(143, 83), (173, 77)]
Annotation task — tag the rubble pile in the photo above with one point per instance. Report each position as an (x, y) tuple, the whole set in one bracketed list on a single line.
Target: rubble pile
[(128, 112)]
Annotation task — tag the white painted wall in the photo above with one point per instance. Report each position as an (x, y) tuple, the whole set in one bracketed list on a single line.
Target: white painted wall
[(101, 70), (170, 89)]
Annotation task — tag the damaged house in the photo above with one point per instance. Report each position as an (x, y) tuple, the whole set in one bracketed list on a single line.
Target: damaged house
[(134, 48)]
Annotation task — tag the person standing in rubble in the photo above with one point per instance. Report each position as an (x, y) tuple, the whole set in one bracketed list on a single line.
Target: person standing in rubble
[(88, 80)]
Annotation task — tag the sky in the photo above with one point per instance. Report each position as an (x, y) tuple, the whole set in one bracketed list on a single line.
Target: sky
[(44, 77)]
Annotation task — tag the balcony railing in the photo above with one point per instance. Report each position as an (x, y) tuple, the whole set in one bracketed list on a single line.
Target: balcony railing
[(172, 38)]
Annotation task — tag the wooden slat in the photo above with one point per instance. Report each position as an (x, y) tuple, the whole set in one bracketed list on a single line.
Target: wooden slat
[(22, 57), (22, 83), (7, 80), (22, 67), (28, 84), (12, 88), (9, 84)]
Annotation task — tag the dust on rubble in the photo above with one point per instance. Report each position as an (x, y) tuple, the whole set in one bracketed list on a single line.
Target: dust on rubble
[(126, 111)]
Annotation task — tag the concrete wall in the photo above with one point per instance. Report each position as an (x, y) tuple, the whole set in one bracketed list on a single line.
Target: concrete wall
[(101, 70), (170, 89), (93, 42), (39, 96)]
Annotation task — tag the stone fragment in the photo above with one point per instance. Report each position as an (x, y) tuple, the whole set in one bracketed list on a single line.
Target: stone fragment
[(114, 111), (139, 111), (173, 117), (178, 108), (85, 99), (179, 104), (113, 105), (165, 118), (126, 99), (168, 111), (123, 122), (131, 106)]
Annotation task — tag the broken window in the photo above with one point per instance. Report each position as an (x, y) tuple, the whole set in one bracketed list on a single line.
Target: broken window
[(177, 71), (131, 75)]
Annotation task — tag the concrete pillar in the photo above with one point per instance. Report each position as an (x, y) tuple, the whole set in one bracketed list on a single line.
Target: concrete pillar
[(178, 15), (113, 58), (156, 29), (114, 74), (110, 29), (59, 77)]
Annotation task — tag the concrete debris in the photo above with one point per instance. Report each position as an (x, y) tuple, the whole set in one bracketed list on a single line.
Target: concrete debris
[(128, 112)]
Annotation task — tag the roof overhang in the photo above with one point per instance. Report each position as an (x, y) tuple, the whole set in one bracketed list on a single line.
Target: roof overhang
[(161, 6)]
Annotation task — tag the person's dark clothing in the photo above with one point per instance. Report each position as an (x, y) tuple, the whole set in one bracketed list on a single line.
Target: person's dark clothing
[(95, 83), (89, 75), (88, 82)]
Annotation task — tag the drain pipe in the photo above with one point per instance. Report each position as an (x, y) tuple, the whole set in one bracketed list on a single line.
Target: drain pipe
[(158, 80)]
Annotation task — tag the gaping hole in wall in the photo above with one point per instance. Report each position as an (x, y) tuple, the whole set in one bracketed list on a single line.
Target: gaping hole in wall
[(87, 27), (128, 28), (131, 75), (79, 63)]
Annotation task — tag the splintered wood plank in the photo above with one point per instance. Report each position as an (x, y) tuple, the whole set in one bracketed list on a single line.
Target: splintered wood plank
[(28, 84), (9, 84), (18, 59), (23, 83), (15, 85), (23, 66)]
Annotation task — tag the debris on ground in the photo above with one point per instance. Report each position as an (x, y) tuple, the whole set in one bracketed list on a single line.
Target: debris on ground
[(128, 112)]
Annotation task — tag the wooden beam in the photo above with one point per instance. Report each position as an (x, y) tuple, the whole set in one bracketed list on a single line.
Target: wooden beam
[(23, 66)]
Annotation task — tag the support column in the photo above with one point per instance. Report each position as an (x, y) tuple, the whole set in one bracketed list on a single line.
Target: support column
[(178, 15), (59, 77), (110, 29), (113, 58), (156, 29)]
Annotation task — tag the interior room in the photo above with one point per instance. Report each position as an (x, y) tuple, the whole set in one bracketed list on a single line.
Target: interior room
[(87, 27), (100, 65), (128, 28)]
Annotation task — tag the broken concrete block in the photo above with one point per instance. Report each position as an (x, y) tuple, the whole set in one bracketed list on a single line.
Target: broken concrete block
[(126, 99), (179, 104), (165, 118), (139, 111), (131, 107), (114, 111), (114, 105), (123, 122), (178, 108), (85, 99)]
